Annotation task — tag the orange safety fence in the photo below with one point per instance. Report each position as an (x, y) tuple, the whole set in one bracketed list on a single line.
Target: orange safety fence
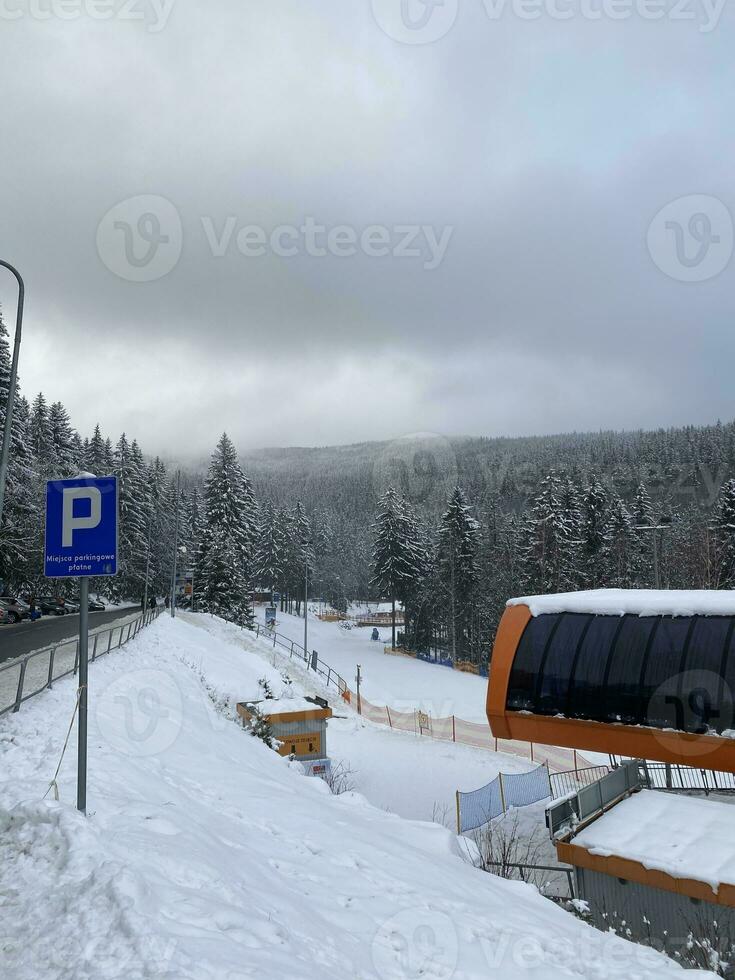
[(453, 729)]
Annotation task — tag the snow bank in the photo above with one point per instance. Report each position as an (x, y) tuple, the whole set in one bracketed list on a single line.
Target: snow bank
[(206, 856), (637, 602), (683, 836)]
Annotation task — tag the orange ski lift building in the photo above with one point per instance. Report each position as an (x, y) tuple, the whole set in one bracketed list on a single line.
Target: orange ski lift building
[(638, 673)]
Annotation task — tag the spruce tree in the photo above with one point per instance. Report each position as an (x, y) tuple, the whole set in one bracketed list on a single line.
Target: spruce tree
[(594, 532), (134, 508), (395, 558), (724, 529), (40, 434), (550, 545), (225, 554), (458, 545), (20, 529), (270, 549), (65, 447)]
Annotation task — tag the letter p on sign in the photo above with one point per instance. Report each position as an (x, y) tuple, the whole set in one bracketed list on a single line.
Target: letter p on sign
[(81, 527), (70, 523)]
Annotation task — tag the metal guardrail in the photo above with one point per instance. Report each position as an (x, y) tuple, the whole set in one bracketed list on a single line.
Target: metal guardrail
[(529, 872), (311, 661), (37, 671), (687, 779), (591, 801), (571, 780)]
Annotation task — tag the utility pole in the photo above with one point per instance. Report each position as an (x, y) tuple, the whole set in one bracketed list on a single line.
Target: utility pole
[(176, 546), (147, 572), (8, 427), (306, 608)]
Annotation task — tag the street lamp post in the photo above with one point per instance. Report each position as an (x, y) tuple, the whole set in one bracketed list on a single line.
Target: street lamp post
[(176, 546), (306, 608), (7, 431)]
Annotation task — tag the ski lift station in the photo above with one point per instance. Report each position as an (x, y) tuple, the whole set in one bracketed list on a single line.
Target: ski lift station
[(648, 676), (635, 673), (656, 865)]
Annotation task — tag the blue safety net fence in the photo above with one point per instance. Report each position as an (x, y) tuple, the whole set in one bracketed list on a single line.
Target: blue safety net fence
[(480, 806)]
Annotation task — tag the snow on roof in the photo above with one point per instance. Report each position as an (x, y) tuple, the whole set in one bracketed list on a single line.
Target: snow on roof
[(638, 602), (282, 706), (683, 836)]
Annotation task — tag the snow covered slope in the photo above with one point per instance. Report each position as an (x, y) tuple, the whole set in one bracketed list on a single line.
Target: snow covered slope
[(206, 856), (402, 683)]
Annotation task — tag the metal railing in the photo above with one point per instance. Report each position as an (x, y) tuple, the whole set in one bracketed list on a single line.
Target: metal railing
[(591, 801), (311, 661), (29, 675), (674, 778), (569, 781), (530, 874)]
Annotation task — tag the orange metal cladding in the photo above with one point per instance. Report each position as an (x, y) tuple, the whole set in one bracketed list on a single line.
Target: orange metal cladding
[(682, 748), (629, 870), (512, 624)]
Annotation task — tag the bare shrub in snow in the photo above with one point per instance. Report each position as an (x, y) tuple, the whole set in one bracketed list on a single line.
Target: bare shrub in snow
[(340, 779)]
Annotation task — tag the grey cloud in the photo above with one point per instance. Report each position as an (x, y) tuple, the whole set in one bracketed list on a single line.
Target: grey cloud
[(546, 147)]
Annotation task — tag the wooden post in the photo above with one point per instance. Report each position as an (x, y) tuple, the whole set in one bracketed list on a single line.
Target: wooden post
[(548, 774), (459, 820), (496, 745), (389, 721), (454, 730), (531, 751), (576, 766), (502, 791)]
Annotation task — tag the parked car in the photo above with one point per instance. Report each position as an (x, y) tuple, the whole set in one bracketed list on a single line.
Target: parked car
[(95, 605), (15, 609), (50, 606), (4, 617), (69, 606)]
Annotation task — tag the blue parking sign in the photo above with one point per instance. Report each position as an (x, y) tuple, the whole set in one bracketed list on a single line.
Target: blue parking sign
[(81, 527)]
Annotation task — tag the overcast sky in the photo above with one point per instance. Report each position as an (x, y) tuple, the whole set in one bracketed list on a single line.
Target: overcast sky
[(521, 160)]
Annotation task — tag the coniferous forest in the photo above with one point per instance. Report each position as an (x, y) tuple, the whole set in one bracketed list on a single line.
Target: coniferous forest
[(447, 528)]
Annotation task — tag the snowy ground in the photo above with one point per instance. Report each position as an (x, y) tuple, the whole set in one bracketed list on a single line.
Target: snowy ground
[(411, 775), (206, 856), (402, 683)]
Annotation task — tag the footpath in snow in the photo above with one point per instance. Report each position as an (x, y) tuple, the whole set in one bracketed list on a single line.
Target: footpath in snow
[(207, 856)]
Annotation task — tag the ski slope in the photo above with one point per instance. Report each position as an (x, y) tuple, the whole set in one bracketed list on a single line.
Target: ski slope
[(413, 776), (205, 856), (402, 683)]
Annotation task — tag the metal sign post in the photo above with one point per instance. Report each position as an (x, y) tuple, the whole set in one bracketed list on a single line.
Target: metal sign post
[(8, 426), (81, 541)]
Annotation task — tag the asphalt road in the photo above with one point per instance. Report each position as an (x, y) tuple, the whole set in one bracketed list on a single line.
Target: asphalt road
[(26, 636)]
